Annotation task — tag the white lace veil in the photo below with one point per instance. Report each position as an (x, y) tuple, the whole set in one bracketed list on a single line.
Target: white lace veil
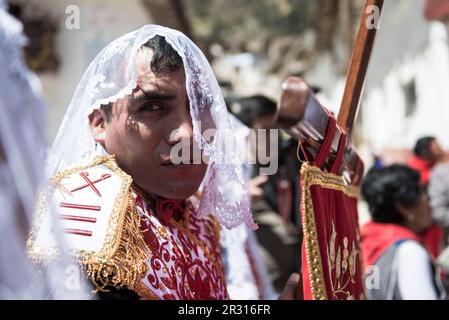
[(112, 75)]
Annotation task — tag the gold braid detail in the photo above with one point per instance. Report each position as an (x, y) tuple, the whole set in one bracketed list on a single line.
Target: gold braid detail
[(129, 261), (311, 175), (122, 260)]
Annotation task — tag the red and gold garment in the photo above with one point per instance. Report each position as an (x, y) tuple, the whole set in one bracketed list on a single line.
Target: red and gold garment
[(331, 254), (159, 249), (184, 256)]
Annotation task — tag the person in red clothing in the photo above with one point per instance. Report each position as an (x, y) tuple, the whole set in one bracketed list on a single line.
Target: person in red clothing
[(400, 211), (427, 153)]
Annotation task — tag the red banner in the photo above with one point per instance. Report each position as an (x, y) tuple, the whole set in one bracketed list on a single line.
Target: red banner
[(332, 264), (331, 254)]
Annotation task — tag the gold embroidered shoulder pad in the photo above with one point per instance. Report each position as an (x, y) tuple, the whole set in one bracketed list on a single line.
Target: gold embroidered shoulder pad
[(90, 209)]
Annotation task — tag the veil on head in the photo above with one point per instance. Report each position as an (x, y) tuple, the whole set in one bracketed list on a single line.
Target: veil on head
[(112, 76)]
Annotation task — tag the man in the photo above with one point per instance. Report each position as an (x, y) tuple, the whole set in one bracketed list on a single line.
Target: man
[(437, 181), (143, 223), (439, 199), (427, 153)]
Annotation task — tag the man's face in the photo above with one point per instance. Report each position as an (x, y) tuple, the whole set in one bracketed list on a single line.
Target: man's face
[(436, 150), (140, 132)]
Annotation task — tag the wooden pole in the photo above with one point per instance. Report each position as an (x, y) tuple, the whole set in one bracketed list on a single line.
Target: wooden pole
[(302, 116), (359, 65)]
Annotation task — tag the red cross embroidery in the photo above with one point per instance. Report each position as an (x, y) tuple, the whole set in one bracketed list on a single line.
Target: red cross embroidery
[(90, 183)]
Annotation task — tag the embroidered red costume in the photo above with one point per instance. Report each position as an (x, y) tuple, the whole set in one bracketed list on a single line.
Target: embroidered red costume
[(155, 247), (184, 257)]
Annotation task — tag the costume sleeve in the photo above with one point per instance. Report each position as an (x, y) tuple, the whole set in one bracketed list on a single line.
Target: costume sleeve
[(415, 273)]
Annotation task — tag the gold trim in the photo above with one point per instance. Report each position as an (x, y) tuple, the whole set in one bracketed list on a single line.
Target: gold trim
[(353, 191), (130, 260), (144, 292), (311, 175), (122, 259), (115, 222)]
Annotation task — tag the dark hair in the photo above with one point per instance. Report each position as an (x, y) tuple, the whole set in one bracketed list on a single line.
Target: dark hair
[(422, 147), (385, 187), (254, 107), (165, 59)]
